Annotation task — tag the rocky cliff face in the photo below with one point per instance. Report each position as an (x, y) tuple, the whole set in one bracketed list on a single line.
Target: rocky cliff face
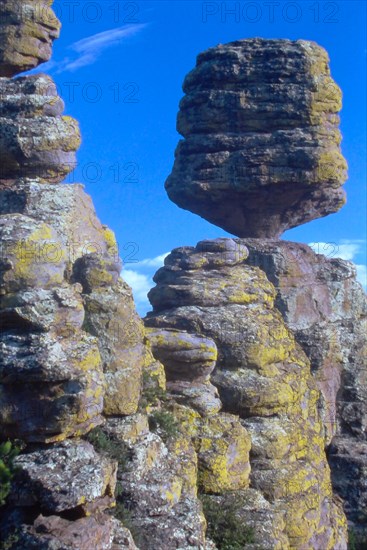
[(325, 307), (262, 375), (210, 423)]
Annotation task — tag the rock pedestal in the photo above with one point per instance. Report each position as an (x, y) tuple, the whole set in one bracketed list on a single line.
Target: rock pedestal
[(262, 375)]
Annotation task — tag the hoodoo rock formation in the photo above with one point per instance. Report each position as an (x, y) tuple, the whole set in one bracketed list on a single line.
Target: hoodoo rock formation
[(261, 154), (74, 355), (212, 426), (261, 151)]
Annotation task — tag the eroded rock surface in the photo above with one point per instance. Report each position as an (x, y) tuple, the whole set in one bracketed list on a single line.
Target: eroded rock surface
[(27, 30), (326, 308), (261, 147), (36, 140), (263, 376)]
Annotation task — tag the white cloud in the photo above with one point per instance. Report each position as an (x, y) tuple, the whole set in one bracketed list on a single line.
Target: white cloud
[(345, 249), (153, 262), (90, 48), (86, 51), (141, 283)]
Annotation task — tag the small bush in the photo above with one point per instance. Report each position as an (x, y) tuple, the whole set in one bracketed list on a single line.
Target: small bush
[(356, 541), (8, 452), (225, 527), (152, 393), (123, 513), (164, 424), (11, 540), (115, 449)]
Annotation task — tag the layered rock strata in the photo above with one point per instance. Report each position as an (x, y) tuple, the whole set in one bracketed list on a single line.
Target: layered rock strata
[(262, 375), (76, 363), (261, 151), (215, 400)]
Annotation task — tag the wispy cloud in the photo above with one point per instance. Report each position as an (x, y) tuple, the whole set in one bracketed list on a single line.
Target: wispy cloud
[(141, 280), (346, 249), (90, 48), (87, 50)]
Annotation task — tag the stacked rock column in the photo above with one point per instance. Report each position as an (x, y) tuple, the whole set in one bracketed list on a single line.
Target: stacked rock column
[(261, 154), (52, 383)]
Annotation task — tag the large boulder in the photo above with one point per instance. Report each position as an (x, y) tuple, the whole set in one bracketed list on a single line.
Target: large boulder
[(261, 148)]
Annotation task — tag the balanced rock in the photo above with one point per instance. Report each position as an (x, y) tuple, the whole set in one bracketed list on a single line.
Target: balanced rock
[(261, 148), (27, 30)]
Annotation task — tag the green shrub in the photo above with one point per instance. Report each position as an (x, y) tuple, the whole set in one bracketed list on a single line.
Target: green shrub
[(114, 448), (8, 452), (356, 541), (11, 540), (225, 527), (164, 424), (123, 513), (152, 393)]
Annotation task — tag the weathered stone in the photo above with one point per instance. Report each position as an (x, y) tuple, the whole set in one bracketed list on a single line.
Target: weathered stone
[(60, 309), (32, 255), (326, 308), (261, 372), (68, 210), (110, 315), (185, 356), (27, 30), (223, 447), (36, 141), (64, 476), (56, 533), (188, 360), (159, 486), (261, 150), (50, 387)]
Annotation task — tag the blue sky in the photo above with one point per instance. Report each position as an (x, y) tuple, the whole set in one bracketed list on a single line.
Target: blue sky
[(119, 67)]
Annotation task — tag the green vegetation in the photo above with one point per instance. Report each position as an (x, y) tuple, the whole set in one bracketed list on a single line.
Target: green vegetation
[(356, 541), (11, 540), (123, 512), (8, 452), (152, 393), (114, 448), (225, 527), (117, 450), (164, 424)]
